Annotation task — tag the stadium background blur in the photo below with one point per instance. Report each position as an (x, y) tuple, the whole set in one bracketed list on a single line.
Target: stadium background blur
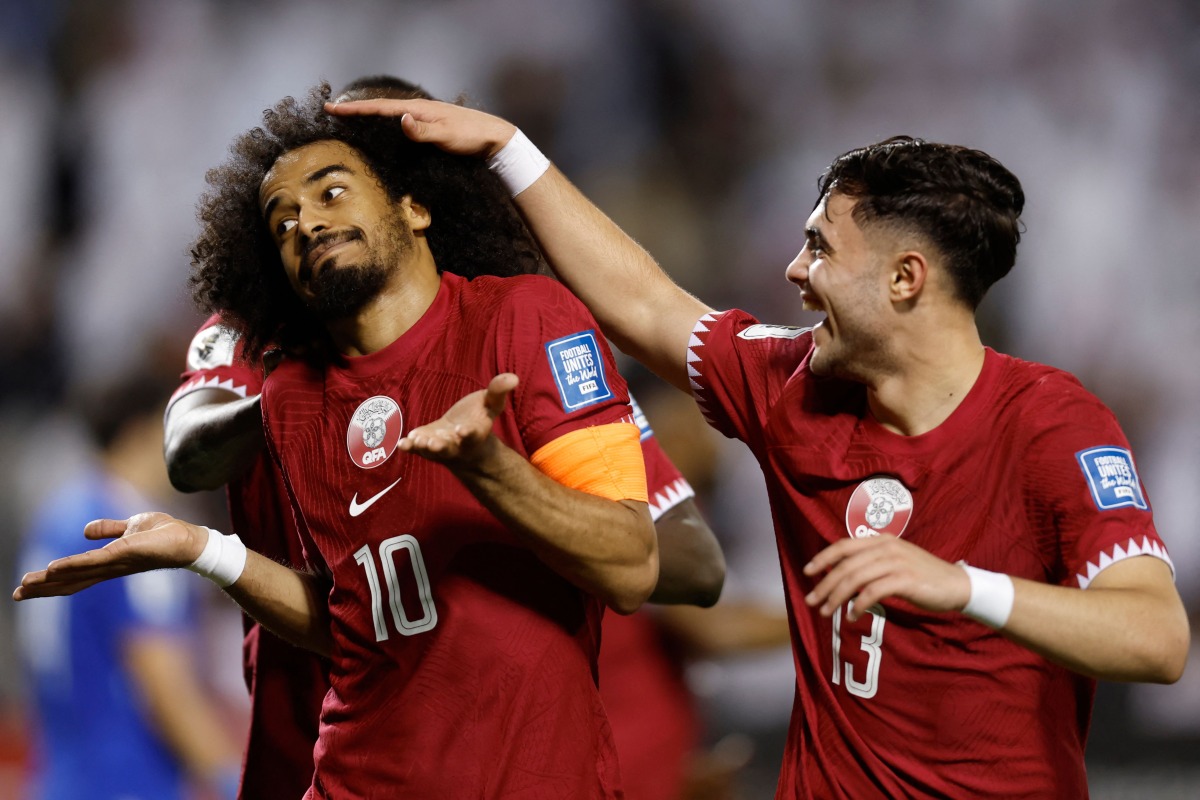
[(701, 127)]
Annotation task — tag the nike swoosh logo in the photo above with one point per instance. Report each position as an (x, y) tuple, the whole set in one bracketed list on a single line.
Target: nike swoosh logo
[(357, 508)]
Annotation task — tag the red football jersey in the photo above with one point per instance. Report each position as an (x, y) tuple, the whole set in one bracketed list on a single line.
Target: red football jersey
[(463, 666), (287, 684), (653, 716), (1030, 476)]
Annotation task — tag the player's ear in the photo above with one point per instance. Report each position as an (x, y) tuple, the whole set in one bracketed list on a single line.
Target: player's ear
[(910, 271), (415, 213)]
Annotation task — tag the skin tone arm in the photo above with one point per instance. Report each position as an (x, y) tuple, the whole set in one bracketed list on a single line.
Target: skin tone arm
[(161, 669), (604, 547), (211, 435), (691, 564), (291, 604), (639, 307), (1128, 625)]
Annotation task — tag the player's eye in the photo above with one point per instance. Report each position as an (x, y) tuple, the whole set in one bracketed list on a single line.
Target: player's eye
[(283, 226), (332, 192)]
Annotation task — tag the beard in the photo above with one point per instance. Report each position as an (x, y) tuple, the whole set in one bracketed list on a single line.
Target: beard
[(339, 292)]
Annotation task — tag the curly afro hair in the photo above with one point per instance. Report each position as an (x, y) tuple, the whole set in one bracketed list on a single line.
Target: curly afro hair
[(236, 268)]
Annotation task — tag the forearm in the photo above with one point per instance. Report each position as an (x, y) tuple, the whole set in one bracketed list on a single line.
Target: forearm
[(1114, 633), (292, 605), (181, 713), (606, 548), (638, 306), (691, 564), (207, 442)]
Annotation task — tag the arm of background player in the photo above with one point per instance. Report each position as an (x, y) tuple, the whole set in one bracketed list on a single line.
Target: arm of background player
[(160, 666), (290, 604), (691, 564), (211, 435), (605, 547), (639, 307), (1129, 624)]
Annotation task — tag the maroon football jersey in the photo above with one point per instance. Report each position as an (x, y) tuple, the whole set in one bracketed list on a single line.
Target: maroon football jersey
[(653, 716), (287, 684), (463, 666), (1030, 476)]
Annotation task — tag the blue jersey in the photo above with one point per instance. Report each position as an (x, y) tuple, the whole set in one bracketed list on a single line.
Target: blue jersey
[(94, 738)]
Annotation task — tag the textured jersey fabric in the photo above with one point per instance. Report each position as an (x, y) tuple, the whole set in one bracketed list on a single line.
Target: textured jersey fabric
[(463, 666), (1029, 476), (287, 684)]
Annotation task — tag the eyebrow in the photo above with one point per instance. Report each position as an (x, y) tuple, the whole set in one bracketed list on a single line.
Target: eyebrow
[(815, 236), (308, 181)]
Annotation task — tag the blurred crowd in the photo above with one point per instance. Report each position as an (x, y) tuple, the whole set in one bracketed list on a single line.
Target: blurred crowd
[(701, 127)]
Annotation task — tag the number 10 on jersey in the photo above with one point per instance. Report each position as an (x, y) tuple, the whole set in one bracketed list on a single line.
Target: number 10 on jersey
[(387, 552)]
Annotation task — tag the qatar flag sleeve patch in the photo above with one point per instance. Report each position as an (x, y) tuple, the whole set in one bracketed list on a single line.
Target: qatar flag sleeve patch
[(1111, 477), (578, 369)]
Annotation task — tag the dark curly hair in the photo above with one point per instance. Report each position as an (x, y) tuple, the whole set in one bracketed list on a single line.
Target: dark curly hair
[(236, 268), (962, 201)]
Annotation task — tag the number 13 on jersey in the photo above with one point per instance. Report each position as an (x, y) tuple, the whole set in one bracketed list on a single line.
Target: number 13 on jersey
[(871, 643)]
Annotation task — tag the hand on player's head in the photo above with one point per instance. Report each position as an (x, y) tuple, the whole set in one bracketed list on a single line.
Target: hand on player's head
[(453, 128)]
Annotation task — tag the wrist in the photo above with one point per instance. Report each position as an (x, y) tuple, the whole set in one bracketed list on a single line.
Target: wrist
[(222, 560), (518, 164), (992, 596)]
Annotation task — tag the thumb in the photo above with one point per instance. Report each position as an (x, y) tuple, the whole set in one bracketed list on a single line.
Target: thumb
[(415, 129), (498, 390)]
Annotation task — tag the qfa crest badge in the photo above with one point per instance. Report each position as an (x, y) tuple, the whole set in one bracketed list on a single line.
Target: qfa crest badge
[(880, 504), (374, 431)]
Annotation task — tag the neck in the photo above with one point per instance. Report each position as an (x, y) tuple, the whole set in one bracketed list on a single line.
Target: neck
[(386, 318), (936, 372)]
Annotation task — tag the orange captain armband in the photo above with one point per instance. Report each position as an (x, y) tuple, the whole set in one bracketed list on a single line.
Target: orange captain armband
[(604, 460)]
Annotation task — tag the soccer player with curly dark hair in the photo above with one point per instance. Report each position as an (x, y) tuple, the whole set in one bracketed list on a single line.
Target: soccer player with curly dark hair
[(236, 259), (460, 454)]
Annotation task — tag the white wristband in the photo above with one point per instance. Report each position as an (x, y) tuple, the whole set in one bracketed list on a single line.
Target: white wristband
[(519, 163), (223, 559), (991, 596)]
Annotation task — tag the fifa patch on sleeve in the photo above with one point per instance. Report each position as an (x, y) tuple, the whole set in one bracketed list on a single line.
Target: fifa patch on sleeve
[(578, 370), (1111, 477)]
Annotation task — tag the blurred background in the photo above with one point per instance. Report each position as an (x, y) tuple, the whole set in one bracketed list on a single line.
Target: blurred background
[(701, 126)]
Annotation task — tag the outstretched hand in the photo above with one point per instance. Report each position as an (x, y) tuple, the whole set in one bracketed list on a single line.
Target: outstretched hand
[(464, 431), (872, 568), (144, 542), (455, 129)]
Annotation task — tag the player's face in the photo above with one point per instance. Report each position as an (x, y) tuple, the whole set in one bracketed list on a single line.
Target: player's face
[(340, 236), (842, 275)]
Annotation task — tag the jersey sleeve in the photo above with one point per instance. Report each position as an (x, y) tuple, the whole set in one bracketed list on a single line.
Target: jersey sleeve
[(216, 359), (568, 378), (739, 367), (1082, 489), (665, 483)]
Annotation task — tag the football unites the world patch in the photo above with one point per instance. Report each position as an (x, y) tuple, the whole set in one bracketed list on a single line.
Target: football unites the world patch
[(880, 504), (578, 370), (374, 431), (1111, 477)]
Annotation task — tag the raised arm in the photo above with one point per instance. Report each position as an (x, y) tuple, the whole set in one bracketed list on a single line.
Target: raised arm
[(289, 603), (691, 564), (606, 547), (1129, 624), (639, 307)]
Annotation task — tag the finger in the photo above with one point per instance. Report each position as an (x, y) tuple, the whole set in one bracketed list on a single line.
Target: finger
[(875, 591), (105, 528), (379, 107), (837, 552), (847, 579), (48, 588), (498, 390)]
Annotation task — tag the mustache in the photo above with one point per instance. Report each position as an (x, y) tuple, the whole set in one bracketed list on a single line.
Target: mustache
[(320, 242)]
